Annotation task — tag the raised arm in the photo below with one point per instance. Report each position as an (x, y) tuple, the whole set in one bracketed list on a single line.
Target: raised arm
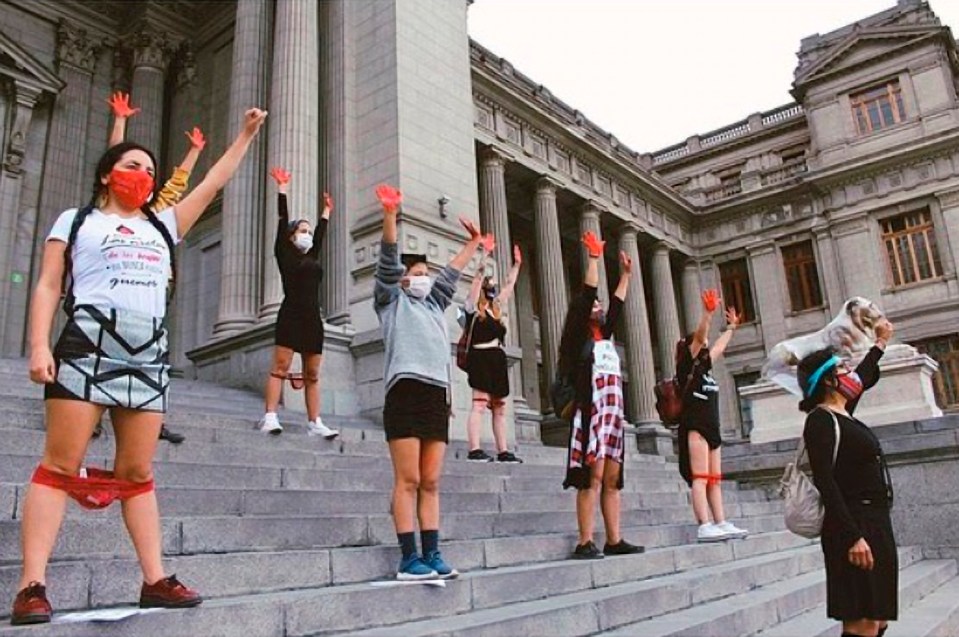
[(120, 105), (322, 224), (625, 274), (733, 319), (469, 248), (594, 251), (477, 285), (281, 177), (444, 286), (176, 185), (507, 292), (193, 205), (389, 270), (710, 300)]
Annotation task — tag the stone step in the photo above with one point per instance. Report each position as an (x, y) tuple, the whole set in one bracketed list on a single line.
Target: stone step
[(747, 613), (479, 602), (101, 583), (936, 615), (84, 537), (601, 608), (204, 502), (916, 585)]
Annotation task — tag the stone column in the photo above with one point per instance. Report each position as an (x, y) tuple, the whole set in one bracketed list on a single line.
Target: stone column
[(589, 222), (337, 159), (826, 260), (243, 198), (692, 305), (293, 128), (494, 218), (949, 208), (529, 367), (25, 96), (765, 268), (151, 55), (667, 317), (639, 344), (552, 279)]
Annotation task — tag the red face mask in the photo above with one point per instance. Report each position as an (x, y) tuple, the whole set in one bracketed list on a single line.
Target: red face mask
[(132, 188), (849, 385)]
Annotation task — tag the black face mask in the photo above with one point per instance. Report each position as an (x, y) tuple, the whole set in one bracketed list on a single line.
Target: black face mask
[(491, 292)]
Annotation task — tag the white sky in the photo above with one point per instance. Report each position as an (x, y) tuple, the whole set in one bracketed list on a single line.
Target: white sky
[(654, 72)]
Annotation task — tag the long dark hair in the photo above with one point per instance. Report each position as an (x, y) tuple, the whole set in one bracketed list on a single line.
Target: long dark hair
[(807, 367)]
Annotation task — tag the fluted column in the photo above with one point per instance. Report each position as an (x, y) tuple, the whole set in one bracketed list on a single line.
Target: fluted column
[(151, 56), (639, 345), (494, 218), (589, 222), (552, 279), (667, 317), (242, 216), (337, 159), (294, 124), (692, 307)]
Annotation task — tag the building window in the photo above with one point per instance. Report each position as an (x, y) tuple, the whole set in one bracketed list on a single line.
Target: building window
[(802, 278), (878, 108), (945, 351), (910, 242), (736, 289), (745, 405)]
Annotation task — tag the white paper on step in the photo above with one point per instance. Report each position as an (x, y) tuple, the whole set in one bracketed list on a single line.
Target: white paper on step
[(102, 615), (438, 583)]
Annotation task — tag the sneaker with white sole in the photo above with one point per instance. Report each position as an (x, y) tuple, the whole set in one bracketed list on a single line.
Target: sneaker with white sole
[(415, 568), (709, 532), (731, 530), (270, 424), (317, 428)]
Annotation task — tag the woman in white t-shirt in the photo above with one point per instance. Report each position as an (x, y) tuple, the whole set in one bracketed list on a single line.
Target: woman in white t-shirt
[(116, 257)]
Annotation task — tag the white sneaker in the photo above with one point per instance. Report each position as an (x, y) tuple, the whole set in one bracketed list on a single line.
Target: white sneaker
[(317, 428), (709, 532), (731, 530), (270, 424)]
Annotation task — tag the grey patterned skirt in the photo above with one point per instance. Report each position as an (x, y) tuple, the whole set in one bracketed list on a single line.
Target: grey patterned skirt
[(115, 358)]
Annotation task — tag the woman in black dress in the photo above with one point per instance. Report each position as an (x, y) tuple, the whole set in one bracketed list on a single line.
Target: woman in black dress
[(299, 325), (486, 362), (862, 569)]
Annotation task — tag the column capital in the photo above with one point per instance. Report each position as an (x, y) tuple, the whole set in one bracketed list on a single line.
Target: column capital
[(184, 65), (948, 199), (150, 47), (690, 264), (763, 247), (663, 246), (547, 185), (629, 229), (492, 156), (591, 207), (76, 48)]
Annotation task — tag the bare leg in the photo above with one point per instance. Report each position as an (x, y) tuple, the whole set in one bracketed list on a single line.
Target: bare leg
[(610, 502), (699, 463), (282, 358), (499, 425), (480, 402), (69, 424), (311, 390), (432, 453), (136, 433), (586, 503), (714, 490), (862, 627), (405, 454)]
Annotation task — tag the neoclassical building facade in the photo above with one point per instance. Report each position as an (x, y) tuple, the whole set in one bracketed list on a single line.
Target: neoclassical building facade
[(853, 189)]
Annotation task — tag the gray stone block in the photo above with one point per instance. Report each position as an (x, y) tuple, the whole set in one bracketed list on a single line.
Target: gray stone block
[(218, 535)]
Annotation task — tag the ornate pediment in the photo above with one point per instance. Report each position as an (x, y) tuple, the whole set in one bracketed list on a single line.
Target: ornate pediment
[(24, 69), (860, 47)]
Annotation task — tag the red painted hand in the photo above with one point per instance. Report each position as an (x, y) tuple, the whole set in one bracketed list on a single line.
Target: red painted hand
[(197, 140), (593, 245), (280, 176), (389, 197), (489, 242), (710, 300), (517, 255), (120, 103), (327, 203), (471, 228), (625, 263)]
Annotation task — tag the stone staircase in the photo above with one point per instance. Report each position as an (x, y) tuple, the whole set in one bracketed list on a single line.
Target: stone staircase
[(286, 536)]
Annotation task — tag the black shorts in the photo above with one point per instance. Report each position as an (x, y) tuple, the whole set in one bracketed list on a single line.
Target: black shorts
[(415, 409), (299, 329)]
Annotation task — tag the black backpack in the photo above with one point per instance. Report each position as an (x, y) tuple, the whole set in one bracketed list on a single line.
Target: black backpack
[(68, 299)]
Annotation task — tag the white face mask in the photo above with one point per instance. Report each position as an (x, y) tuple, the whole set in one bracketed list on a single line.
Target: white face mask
[(419, 286), (303, 241)]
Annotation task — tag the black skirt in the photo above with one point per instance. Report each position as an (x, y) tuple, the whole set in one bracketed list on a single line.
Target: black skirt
[(415, 409), (487, 370), (299, 329), (851, 592)]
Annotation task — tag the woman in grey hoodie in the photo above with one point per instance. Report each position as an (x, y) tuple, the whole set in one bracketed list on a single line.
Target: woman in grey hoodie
[(410, 306)]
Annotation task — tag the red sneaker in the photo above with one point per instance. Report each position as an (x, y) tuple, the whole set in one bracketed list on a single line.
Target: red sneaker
[(168, 593), (31, 606)]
